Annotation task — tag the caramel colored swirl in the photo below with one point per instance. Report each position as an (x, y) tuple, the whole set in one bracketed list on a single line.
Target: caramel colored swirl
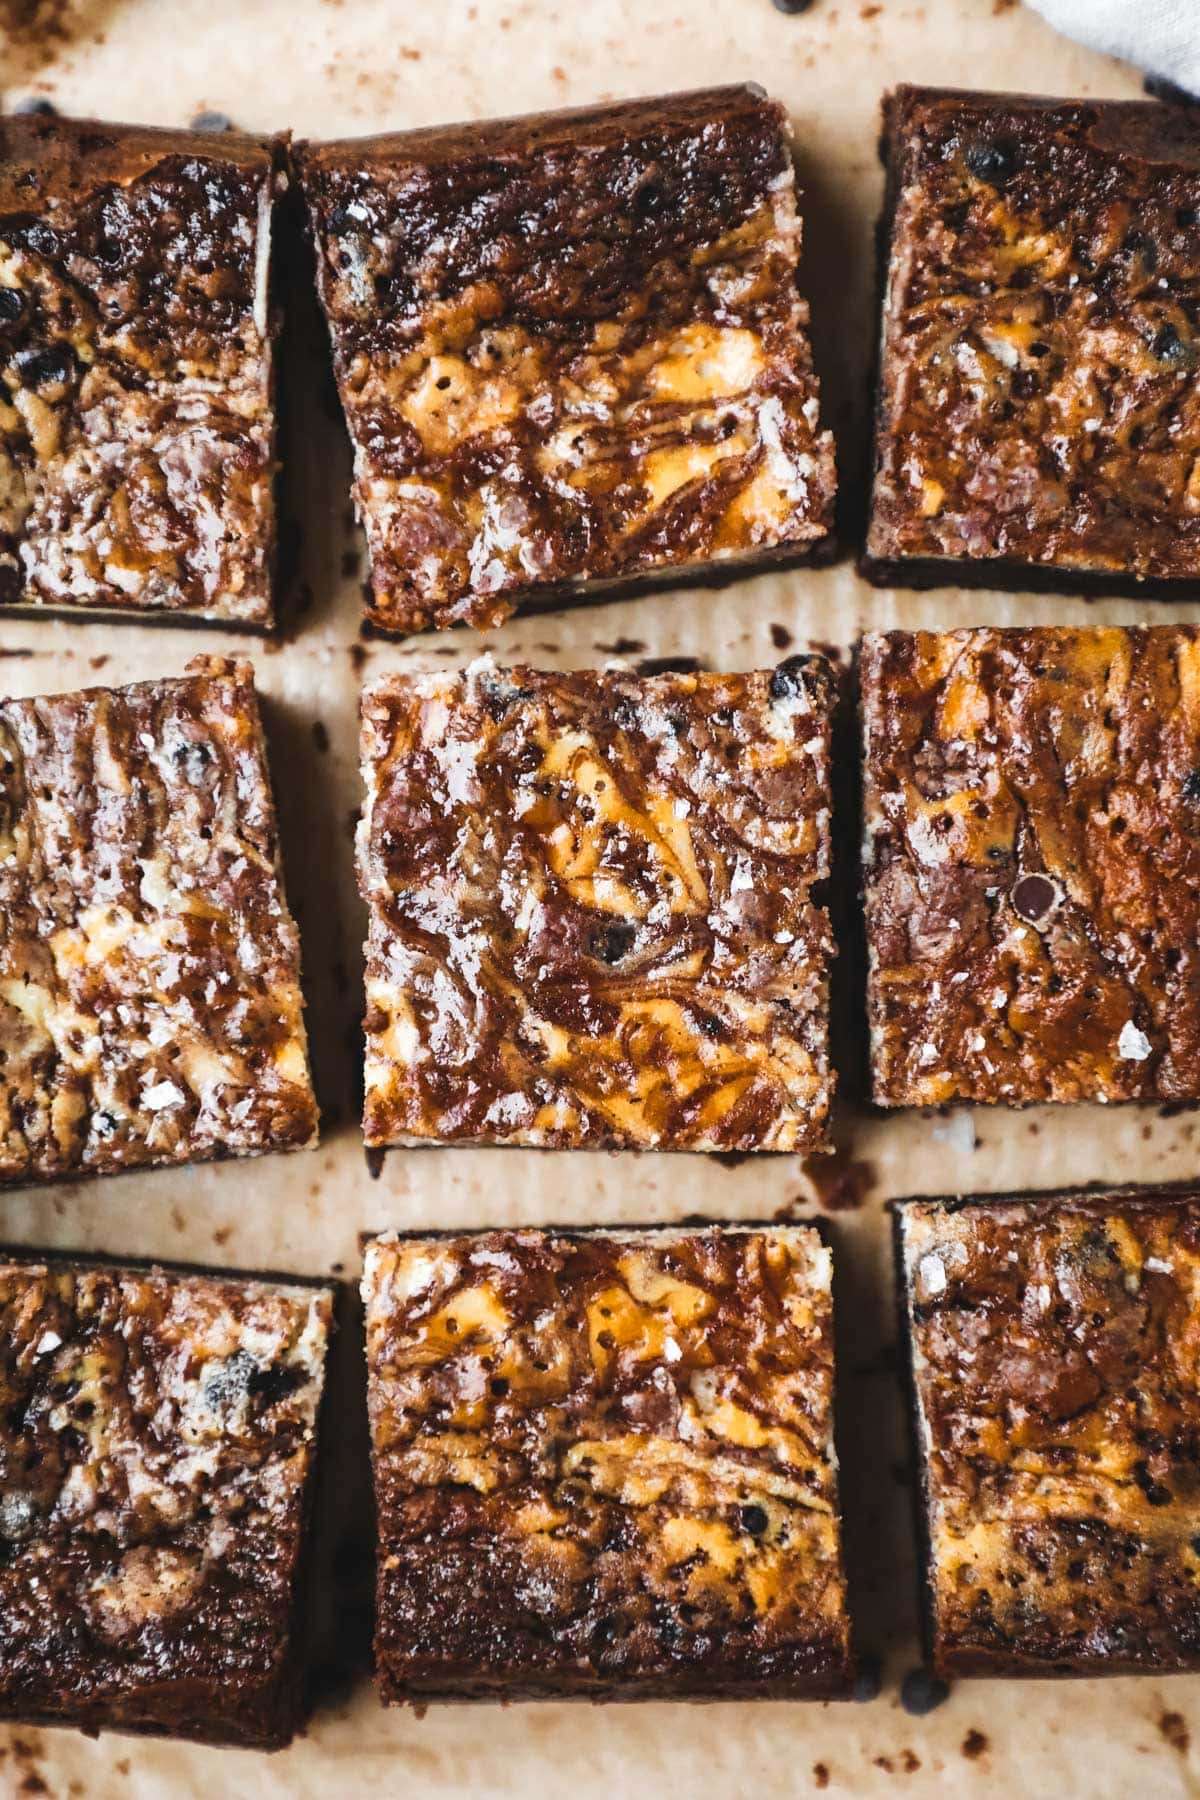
[(1056, 1356), (1033, 864), (591, 917), (633, 1434)]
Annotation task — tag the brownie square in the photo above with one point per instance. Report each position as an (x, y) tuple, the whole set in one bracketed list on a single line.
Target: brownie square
[(150, 1005), (1037, 407), (137, 415), (1032, 864), (592, 910), (571, 350), (604, 1465), (1057, 1419), (157, 1444)]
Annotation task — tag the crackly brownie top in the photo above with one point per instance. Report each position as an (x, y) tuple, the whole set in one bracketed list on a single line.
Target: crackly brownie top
[(136, 452), (1033, 864), (1041, 399), (634, 1434), (1055, 1358), (591, 909), (150, 1006), (156, 1435), (569, 347)]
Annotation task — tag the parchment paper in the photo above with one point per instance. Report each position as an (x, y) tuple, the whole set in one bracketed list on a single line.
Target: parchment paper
[(344, 69)]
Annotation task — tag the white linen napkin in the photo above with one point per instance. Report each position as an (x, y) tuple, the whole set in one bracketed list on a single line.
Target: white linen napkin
[(1160, 36)]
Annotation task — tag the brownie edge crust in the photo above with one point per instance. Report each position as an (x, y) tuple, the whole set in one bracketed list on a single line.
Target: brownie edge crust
[(571, 350), (150, 1003), (1032, 864), (592, 919), (1037, 408), (157, 1448), (137, 423), (604, 1465), (1057, 1420)]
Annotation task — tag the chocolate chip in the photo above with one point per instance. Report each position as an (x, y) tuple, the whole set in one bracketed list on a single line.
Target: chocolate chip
[(1138, 244), (991, 159), (42, 238), (1035, 898), (37, 105), (614, 943), (212, 121), (791, 6), (274, 1384), (1190, 788), (1169, 348), (1187, 216), (868, 1683), (12, 305), (753, 1519), (44, 368), (922, 1692), (787, 680)]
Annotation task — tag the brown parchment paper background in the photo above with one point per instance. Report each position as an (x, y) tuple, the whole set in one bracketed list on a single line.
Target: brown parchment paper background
[(333, 68)]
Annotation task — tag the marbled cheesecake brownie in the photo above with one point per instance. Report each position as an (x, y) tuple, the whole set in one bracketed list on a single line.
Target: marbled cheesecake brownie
[(150, 1004), (604, 1465), (1032, 864), (1057, 1418), (1039, 400), (571, 349), (137, 417), (593, 916), (157, 1447)]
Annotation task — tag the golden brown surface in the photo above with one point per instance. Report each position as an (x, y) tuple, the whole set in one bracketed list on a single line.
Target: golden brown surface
[(150, 1005), (1055, 1349), (591, 920), (570, 348), (136, 407), (157, 1438), (605, 1465), (1041, 340), (1033, 864)]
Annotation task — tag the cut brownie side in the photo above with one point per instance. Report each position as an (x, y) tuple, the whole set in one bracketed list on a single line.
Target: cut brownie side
[(136, 407), (1039, 407), (1032, 860), (604, 1465), (1057, 1414), (157, 1443), (592, 918), (150, 1006), (570, 349)]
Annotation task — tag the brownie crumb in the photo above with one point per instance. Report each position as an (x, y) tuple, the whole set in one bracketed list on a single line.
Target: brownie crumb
[(974, 1745)]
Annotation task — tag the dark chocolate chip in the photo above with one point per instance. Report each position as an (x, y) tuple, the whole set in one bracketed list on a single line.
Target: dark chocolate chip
[(1187, 216), (753, 1519), (787, 680), (499, 1386), (868, 1683), (12, 305), (212, 121), (791, 6), (42, 368), (614, 943), (991, 159), (1169, 348), (274, 1384), (1034, 898), (1138, 244), (1190, 787), (38, 105), (42, 238), (923, 1692)]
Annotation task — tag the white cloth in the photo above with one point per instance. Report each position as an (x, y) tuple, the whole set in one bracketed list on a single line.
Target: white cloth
[(1160, 36)]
